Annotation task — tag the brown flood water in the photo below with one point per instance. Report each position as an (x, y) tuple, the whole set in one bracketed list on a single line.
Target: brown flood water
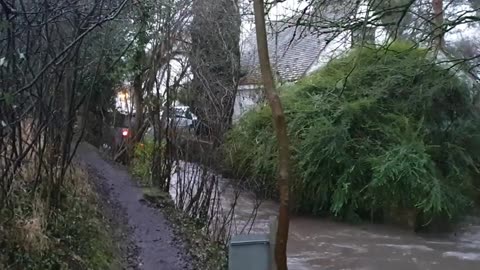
[(316, 243)]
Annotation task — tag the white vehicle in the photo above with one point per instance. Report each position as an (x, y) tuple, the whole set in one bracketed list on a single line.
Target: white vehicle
[(182, 117)]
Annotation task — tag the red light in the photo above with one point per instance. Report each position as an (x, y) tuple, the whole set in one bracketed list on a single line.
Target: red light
[(125, 133)]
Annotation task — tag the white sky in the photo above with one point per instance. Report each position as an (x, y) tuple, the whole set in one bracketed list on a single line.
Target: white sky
[(291, 7), (285, 9)]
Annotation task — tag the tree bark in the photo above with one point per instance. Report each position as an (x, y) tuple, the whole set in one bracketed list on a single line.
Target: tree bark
[(438, 33), (139, 77), (215, 63), (138, 104), (280, 126)]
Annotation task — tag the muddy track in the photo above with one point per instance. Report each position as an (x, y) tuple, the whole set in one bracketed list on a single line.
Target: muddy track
[(148, 240)]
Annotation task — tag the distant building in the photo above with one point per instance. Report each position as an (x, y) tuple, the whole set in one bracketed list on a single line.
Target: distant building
[(294, 53)]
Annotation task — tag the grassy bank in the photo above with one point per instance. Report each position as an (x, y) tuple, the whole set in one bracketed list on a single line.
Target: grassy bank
[(73, 235), (375, 132)]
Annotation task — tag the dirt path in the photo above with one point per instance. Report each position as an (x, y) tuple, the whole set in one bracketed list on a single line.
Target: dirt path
[(152, 243)]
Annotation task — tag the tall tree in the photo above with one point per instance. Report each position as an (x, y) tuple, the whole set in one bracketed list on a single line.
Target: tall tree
[(139, 65), (215, 63), (280, 125)]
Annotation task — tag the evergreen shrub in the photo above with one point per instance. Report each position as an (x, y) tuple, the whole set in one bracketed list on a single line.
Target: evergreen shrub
[(374, 130)]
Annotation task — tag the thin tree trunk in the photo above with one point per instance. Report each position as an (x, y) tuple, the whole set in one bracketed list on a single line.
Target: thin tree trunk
[(138, 105), (438, 33), (280, 125), (138, 87)]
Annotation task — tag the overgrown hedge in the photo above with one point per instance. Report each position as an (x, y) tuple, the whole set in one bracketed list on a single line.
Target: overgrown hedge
[(375, 130)]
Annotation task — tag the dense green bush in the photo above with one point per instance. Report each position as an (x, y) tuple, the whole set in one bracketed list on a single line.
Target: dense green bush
[(377, 129)]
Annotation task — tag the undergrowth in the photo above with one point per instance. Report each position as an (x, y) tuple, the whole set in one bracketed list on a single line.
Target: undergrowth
[(71, 236), (376, 130), (205, 253), (141, 165)]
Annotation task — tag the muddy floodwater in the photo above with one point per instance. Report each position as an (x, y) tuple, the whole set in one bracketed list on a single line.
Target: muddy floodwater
[(316, 243), (319, 244)]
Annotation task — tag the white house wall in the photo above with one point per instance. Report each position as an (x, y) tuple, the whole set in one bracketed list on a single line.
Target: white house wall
[(248, 96)]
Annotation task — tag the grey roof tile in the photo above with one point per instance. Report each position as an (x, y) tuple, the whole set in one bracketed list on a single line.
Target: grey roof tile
[(292, 52)]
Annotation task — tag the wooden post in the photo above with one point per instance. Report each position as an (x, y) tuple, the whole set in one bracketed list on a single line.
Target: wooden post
[(271, 237)]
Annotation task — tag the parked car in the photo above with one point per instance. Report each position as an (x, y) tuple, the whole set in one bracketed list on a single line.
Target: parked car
[(180, 118)]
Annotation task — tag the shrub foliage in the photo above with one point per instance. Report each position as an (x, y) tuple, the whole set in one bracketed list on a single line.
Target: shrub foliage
[(72, 236), (377, 129), (143, 156)]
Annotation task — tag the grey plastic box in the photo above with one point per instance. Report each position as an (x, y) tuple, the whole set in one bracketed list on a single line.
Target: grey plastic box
[(249, 252)]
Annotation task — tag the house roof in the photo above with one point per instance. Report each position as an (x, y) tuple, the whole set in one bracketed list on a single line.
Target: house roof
[(292, 50)]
